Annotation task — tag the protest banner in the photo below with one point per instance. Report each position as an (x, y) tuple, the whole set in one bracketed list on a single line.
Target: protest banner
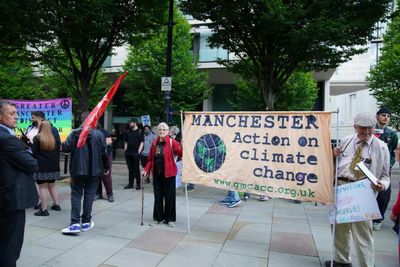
[(57, 111), (355, 202), (279, 154)]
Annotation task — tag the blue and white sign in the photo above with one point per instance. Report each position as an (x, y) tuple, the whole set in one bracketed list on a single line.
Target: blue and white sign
[(146, 120)]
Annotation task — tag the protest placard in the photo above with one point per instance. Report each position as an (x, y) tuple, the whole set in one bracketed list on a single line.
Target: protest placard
[(355, 202)]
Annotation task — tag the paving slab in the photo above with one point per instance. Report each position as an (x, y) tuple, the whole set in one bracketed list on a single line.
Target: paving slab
[(293, 243), (246, 248), (229, 260), (128, 257), (157, 240), (193, 253), (277, 259)]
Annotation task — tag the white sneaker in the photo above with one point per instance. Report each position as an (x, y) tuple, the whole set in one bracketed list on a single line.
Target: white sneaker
[(87, 226), (376, 226), (171, 224), (72, 229), (154, 223), (263, 198)]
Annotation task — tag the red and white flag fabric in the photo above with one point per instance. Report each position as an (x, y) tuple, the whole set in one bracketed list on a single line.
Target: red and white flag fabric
[(95, 114)]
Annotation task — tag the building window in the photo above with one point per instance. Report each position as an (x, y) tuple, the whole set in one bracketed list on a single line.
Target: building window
[(208, 54)]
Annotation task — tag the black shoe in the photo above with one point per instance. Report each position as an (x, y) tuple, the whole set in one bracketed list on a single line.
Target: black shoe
[(147, 181), (110, 198), (137, 187), (56, 207), (338, 264), (97, 197), (129, 186), (37, 206), (42, 213)]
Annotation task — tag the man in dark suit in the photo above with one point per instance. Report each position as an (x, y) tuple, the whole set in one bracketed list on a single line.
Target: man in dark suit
[(17, 187)]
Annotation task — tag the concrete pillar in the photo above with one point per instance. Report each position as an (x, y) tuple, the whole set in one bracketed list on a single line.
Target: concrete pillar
[(108, 125)]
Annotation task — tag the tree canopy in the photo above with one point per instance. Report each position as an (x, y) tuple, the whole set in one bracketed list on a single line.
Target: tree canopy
[(298, 93), (19, 78), (146, 65), (384, 79), (73, 38), (281, 37)]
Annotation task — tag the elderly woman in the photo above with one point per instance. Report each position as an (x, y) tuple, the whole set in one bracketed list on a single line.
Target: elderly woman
[(161, 163)]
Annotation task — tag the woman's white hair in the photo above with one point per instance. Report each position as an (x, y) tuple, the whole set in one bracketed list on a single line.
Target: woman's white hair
[(163, 125)]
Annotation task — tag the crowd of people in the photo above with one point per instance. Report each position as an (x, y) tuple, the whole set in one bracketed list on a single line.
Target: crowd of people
[(36, 160)]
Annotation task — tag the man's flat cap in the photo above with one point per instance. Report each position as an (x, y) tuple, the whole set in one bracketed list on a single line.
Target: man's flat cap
[(364, 120)]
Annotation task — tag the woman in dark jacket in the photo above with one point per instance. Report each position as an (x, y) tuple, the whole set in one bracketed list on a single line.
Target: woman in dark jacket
[(46, 148), (161, 162)]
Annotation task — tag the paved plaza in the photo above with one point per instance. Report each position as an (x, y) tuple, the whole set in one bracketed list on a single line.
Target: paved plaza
[(275, 233)]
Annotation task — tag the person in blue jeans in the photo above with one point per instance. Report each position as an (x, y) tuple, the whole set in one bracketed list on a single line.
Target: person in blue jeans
[(231, 200), (87, 165)]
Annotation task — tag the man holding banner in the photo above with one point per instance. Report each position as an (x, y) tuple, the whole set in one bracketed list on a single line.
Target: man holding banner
[(361, 146)]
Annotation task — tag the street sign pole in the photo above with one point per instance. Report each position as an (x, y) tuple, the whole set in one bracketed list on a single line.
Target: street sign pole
[(167, 93)]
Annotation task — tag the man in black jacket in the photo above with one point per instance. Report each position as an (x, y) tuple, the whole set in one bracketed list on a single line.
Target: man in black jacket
[(133, 147), (17, 187), (389, 136), (86, 167)]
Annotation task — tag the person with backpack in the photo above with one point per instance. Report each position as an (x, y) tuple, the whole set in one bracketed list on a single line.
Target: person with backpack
[(87, 165)]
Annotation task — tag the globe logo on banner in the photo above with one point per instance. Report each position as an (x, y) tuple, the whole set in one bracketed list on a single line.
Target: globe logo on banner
[(209, 152)]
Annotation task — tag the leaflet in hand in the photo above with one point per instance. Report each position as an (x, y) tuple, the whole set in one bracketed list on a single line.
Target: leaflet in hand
[(367, 173)]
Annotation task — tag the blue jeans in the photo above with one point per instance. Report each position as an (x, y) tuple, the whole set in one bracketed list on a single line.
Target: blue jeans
[(233, 195), (86, 186), (190, 186)]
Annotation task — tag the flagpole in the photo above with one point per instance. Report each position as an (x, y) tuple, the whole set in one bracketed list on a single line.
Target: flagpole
[(167, 93), (184, 184), (142, 187), (334, 188)]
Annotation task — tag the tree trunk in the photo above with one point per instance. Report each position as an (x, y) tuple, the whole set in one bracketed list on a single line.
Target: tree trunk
[(84, 92), (266, 85)]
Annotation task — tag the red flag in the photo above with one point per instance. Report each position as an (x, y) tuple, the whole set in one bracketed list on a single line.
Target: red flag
[(95, 114)]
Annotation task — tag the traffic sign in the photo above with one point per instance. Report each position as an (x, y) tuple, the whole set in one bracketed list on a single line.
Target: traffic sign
[(166, 83)]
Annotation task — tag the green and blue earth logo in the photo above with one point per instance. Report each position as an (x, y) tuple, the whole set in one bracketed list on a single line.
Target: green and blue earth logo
[(209, 152)]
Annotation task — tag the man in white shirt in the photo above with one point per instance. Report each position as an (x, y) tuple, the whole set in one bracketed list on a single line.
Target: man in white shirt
[(361, 146), (33, 129)]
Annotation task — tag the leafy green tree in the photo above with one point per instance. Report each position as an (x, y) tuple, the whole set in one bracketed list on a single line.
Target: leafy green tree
[(146, 65), (18, 80), (298, 93), (56, 84), (73, 38), (281, 37), (384, 79), (9, 30)]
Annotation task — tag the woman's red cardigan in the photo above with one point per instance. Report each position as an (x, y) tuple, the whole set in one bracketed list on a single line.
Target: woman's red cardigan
[(170, 145)]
